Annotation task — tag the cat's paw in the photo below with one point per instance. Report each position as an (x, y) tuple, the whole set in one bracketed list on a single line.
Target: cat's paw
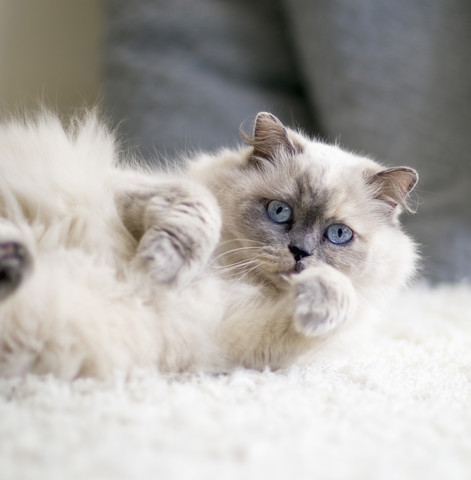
[(323, 300), (167, 256), (178, 246), (15, 263)]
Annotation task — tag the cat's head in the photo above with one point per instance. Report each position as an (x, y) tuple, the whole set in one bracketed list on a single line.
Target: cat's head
[(289, 203)]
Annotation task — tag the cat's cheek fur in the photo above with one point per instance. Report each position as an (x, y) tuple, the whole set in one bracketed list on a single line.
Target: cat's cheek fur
[(323, 299), (392, 263)]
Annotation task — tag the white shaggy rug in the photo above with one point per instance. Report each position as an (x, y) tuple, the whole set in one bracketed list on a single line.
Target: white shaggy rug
[(398, 406)]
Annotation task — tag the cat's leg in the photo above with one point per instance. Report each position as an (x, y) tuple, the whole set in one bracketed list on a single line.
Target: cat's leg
[(177, 224), (323, 299), (259, 332), (15, 260)]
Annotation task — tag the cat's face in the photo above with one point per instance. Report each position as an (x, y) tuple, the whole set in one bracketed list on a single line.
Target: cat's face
[(292, 203)]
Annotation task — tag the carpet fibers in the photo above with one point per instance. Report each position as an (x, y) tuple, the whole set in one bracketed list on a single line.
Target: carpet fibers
[(395, 405)]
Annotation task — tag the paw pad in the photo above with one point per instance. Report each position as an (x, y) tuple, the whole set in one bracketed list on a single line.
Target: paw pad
[(14, 263)]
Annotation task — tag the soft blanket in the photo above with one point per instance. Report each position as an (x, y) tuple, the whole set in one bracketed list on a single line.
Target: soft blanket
[(393, 402)]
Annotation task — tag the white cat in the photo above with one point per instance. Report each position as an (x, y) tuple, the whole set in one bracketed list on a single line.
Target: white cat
[(246, 257)]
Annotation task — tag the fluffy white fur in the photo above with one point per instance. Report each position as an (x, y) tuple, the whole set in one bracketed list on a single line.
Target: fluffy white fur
[(122, 268)]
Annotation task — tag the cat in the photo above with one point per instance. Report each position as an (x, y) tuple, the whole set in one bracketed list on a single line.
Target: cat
[(249, 257)]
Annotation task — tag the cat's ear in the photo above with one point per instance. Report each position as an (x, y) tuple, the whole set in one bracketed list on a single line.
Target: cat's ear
[(393, 186), (270, 138)]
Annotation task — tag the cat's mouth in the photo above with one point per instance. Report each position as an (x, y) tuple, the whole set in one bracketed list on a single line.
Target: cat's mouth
[(299, 266)]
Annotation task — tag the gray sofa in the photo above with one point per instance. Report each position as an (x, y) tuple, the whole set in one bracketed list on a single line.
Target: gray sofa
[(391, 79)]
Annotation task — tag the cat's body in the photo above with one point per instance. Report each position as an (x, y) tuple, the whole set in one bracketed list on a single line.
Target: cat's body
[(248, 257)]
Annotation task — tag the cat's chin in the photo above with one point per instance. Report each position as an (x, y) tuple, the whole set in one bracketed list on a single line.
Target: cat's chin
[(273, 275), (276, 282)]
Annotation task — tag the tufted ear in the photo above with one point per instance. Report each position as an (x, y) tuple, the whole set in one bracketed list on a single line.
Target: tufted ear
[(270, 137), (393, 186)]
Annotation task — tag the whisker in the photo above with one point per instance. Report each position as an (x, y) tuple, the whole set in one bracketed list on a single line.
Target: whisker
[(234, 266), (240, 262), (222, 269), (241, 240), (248, 272), (228, 252)]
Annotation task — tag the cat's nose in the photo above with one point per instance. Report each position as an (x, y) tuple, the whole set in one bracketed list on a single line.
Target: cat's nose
[(298, 253)]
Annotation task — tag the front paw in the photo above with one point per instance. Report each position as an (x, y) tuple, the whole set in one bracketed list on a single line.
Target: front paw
[(170, 257), (323, 300), (179, 240)]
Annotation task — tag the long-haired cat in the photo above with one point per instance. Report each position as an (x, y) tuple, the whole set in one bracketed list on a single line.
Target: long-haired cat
[(247, 257)]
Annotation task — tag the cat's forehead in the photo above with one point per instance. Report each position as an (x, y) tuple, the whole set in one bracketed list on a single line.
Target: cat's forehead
[(320, 173), (328, 167), (331, 179), (332, 158)]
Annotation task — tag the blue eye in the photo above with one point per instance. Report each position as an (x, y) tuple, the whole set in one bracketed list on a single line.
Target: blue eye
[(339, 234), (279, 212)]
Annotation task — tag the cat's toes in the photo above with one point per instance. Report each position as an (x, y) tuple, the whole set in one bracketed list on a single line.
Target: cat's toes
[(163, 256), (322, 302), (14, 264), (175, 254)]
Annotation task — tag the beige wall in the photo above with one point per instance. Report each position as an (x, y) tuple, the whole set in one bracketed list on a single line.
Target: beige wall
[(50, 52)]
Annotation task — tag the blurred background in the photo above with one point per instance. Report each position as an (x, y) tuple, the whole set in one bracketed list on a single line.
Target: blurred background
[(51, 53), (388, 79)]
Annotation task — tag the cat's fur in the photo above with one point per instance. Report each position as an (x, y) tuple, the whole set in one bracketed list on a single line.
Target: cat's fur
[(106, 267)]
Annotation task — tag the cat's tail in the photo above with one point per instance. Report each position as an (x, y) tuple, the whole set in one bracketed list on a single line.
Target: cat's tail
[(46, 165), (54, 177)]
